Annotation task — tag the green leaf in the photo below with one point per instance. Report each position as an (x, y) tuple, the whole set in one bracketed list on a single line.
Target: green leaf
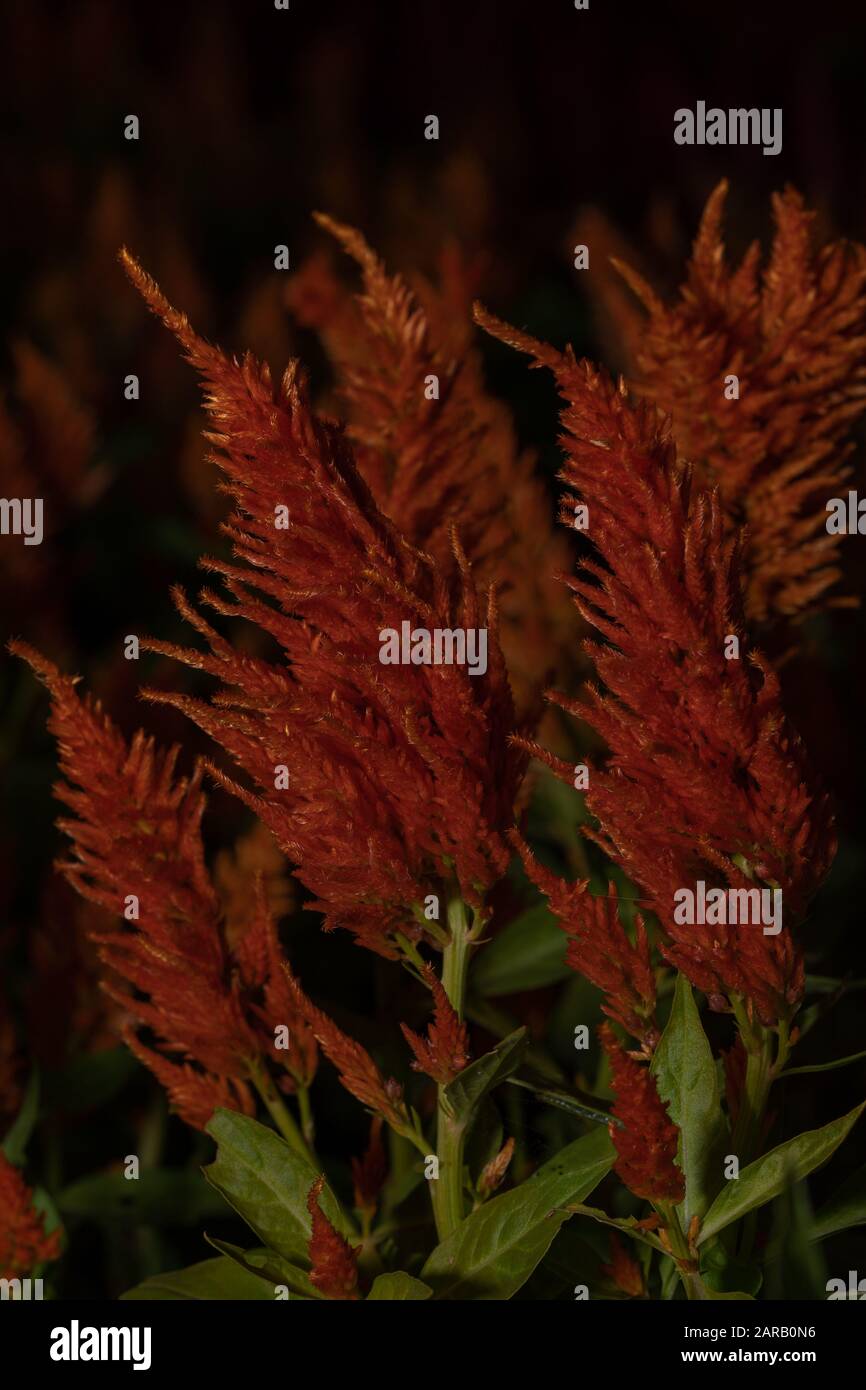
[(495, 1249), (764, 1179), (627, 1224), (795, 1266), (18, 1135), (527, 954), (271, 1268), (399, 1286), (464, 1094), (563, 1100), (846, 1208), (267, 1183), (210, 1279), (687, 1080), (723, 1273), (160, 1196), (824, 1066)]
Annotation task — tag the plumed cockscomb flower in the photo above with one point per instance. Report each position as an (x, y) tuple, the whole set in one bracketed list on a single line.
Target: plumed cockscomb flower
[(445, 1050), (646, 1140), (623, 1269), (137, 852), (24, 1243), (370, 1171), (794, 335), (383, 783), (437, 449), (357, 1070), (706, 780), (599, 947), (334, 1261)]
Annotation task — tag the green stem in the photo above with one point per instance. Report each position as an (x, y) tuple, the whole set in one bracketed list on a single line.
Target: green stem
[(308, 1125), (692, 1282), (447, 1189), (279, 1111)]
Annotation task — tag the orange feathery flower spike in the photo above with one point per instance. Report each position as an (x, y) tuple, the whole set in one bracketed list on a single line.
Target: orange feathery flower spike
[(135, 836), (445, 1050), (706, 781), (357, 1070), (334, 1263), (24, 1243), (796, 340), (392, 788), (623, 1269), (599, 948), (646, 1140)]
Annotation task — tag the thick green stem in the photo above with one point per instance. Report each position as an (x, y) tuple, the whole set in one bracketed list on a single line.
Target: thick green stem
[(447, 1188), (687, 1268)]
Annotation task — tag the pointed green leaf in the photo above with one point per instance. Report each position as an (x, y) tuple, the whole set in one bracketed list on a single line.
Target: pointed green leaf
[(527, 954), (162, 1196), (846, 1208), (764, 1179), (267, 1183), (210, 1279), (687, 1080), (627, 1224), (270, 1268), (399, 1286), (465, 1093), (495, 1249), (825, 1066)]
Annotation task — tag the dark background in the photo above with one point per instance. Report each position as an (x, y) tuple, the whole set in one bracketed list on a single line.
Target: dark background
[(250, 119)]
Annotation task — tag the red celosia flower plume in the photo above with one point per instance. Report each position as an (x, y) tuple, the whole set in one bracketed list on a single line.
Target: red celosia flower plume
[(445, 1050), (135, 836), (646, 1142), (705, 781), (370, 1171), (796, 339), (357, 1070), (334, 1262), (437, 449), (261, 963), (599, 948), (623, 1269), (382, 784), (24, 1243)]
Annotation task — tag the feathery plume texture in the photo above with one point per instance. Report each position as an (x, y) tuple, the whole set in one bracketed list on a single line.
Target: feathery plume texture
[(389, 787), (443, 459), (646, 1141), (136, 835), (370, 1171), (599, 947), (705, 780), (445, 1050), (235, 872), (24, 1243), (794, 334), (261, 963), (623, 1270), (493, 1173), (334, 1261), (356, 1068)]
